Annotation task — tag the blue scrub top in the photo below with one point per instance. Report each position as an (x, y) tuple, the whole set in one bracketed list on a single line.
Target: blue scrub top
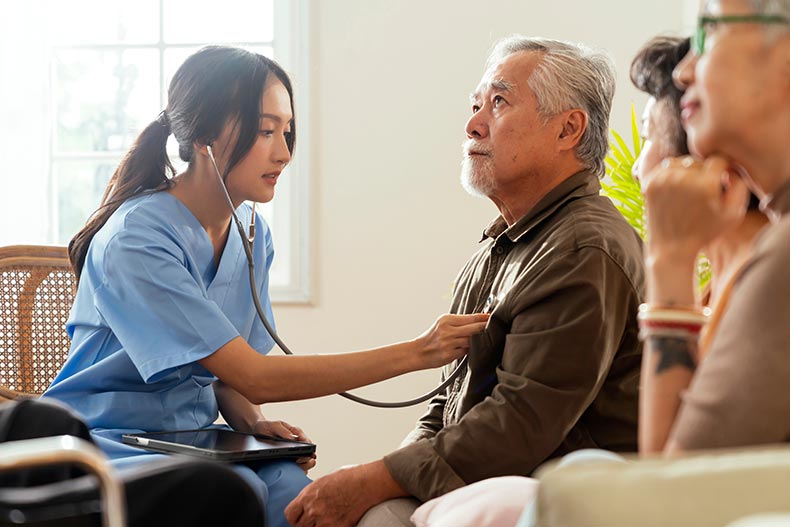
[(150, 305)]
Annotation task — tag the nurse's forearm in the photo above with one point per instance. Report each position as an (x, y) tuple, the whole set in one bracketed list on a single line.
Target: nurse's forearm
[(237, 411), (263, 379)]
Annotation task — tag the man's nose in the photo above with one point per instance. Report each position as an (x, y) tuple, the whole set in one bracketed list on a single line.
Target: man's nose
[(476, 126)]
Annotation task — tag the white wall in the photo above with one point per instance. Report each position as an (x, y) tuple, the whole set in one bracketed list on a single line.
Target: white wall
[(391, 225)]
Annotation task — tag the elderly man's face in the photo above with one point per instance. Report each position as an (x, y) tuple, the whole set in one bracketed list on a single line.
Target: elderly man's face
[(506, 138), (737, 88)]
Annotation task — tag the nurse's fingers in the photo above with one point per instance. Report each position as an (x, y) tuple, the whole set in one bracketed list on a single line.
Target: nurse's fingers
[(471, 329), (280, 429), (463, 320), (306, 463), (298, 432)]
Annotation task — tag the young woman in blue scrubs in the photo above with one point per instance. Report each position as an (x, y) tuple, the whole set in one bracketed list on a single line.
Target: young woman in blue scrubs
[(163, 328)]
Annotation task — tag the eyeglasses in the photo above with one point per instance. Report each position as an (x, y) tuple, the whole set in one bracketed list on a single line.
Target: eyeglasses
[(698, 39)]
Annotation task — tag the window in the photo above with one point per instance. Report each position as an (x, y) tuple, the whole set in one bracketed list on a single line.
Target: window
[(86, 77)]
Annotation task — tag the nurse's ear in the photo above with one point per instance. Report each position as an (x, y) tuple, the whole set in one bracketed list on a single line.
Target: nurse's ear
[(201, 147)]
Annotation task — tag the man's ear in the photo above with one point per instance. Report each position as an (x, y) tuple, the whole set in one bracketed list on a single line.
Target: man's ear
[(574, 123)]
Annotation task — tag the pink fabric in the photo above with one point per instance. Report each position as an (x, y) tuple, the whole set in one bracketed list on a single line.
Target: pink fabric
[(495, 502)]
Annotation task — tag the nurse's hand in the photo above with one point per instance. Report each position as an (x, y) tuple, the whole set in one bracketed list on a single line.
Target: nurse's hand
[(289, 432), (448, 338)]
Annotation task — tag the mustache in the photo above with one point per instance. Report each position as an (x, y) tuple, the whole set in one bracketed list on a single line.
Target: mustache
[(472, 147)]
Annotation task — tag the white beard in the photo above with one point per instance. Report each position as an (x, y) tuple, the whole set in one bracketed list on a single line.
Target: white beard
[(477, 176)]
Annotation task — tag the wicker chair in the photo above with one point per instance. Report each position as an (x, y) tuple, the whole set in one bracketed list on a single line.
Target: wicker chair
[(37, 289)]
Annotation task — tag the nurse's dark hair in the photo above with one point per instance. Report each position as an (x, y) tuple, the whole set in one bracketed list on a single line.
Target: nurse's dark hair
[(214, 86), (651, 72)]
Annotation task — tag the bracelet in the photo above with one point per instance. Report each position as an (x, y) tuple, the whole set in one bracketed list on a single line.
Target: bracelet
[(655, 328), (687, 315), (670, 321), (645, 307), (681, 325)]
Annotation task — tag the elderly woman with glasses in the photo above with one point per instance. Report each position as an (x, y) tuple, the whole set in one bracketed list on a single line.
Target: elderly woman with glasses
[(736, 112)]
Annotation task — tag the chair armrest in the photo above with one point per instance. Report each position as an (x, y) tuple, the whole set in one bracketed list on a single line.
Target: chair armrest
[(68, 449), (712, 488)]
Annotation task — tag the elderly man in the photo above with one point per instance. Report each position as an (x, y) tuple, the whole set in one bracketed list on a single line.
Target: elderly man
[(560, 270)]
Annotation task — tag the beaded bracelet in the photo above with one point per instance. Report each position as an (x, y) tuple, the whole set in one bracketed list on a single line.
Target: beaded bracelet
[(648, 329), (670, 321), (691, 315)]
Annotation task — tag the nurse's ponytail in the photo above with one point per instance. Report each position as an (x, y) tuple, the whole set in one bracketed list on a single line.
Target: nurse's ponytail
[(145, 167), (213, 87)]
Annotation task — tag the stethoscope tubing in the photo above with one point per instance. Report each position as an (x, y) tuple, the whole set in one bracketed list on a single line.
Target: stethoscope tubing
[(247, 243)]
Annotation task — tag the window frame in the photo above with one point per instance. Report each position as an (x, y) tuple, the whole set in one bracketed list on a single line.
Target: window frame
[(290, 45)]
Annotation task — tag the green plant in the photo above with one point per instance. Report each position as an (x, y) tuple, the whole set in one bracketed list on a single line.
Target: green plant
[(619, 184)]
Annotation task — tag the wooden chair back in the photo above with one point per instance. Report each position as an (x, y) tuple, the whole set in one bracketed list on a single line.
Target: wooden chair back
[(37, 288)]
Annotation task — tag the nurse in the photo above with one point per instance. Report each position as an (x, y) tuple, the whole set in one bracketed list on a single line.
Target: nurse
[(164, 332)]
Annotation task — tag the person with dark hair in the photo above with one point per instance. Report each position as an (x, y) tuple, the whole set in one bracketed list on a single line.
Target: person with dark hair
[(664, 137), (651, 72), (164, 331), (736, 112)]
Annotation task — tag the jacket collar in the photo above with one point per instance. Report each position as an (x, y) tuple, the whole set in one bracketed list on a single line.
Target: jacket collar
[(581, 184)]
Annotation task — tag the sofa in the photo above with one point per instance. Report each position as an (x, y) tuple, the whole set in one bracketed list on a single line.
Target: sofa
[(713, 488)]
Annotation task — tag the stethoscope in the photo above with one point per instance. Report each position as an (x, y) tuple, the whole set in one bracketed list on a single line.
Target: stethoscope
[(247, 242)]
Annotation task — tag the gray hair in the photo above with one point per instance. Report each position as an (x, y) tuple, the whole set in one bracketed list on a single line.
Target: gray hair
[(773, 7), (570, 75)]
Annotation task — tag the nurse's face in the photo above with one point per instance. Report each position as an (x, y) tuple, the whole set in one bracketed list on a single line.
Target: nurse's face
[(255, 176)]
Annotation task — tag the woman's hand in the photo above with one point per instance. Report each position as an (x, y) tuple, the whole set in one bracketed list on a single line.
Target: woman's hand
[(289, 432), (448, 338), (689, 203)]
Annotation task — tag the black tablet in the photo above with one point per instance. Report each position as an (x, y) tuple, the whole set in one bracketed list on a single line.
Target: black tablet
[(221, 445)]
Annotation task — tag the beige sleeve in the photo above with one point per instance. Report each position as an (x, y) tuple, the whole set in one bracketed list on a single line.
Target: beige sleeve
[(739, 395)]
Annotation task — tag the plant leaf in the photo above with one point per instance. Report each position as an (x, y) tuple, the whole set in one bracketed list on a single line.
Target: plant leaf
[(635, 136)]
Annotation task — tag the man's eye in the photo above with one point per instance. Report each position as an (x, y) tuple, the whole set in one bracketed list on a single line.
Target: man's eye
[(497, 100), (475, 108)]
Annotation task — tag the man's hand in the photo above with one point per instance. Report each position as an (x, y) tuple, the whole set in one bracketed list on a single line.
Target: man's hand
[(289, 432), (342, 497)]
